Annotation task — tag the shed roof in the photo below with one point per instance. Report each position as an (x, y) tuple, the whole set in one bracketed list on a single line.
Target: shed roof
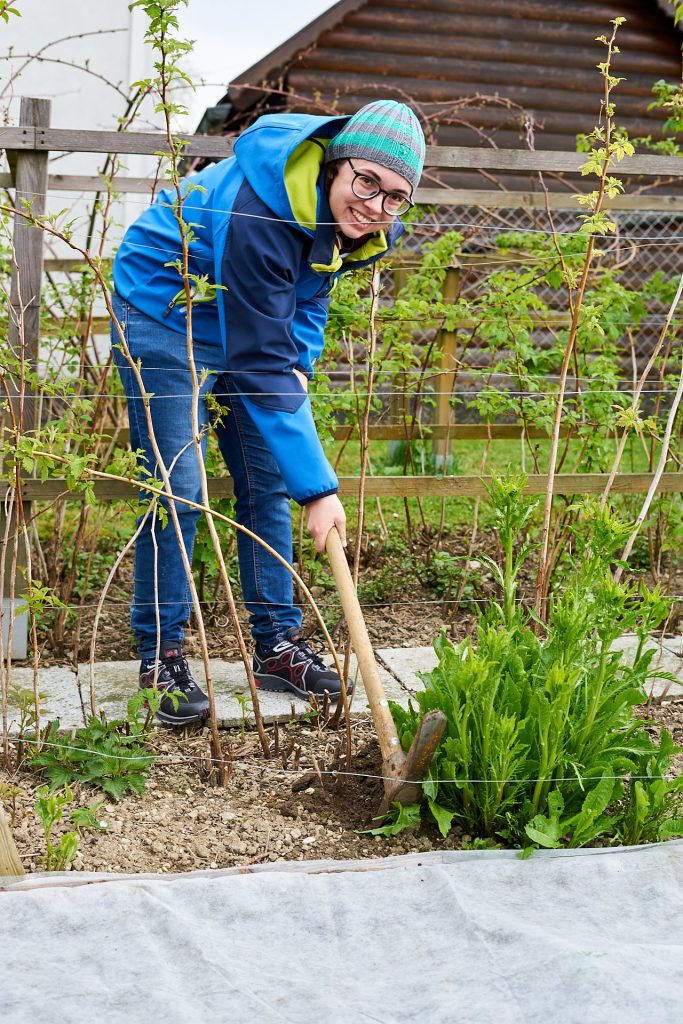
[(473, 69)]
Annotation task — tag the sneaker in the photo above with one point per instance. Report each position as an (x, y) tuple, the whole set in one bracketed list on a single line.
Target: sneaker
[(173, 675), (292, 665)]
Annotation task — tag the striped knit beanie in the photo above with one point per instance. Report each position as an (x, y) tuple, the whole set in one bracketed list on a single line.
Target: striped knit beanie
[(386, 132)]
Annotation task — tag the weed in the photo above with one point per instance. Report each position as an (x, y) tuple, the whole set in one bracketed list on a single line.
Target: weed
[(49, 808), (111, 756)]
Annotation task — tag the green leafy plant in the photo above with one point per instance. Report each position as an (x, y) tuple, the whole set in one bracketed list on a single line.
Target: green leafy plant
[(111, 756), (49, 808), (542, 746)]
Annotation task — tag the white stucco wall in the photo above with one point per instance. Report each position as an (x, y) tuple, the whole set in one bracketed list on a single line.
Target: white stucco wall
[(82, 55)]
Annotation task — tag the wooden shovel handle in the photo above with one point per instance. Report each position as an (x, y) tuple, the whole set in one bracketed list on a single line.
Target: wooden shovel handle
[(392, 754), (10, 864)]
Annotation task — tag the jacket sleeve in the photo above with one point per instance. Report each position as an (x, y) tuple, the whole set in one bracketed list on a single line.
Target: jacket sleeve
[(309, 332), (259, 268)]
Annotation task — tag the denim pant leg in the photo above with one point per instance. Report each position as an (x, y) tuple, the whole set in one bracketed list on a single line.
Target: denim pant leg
[(163, 365), (262, 504)]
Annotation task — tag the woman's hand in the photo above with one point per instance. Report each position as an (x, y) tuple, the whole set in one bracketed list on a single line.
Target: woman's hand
[(321, 515)]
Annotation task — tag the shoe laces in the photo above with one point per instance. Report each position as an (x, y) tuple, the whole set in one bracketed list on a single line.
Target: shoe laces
[(180, 673), (306, 649)]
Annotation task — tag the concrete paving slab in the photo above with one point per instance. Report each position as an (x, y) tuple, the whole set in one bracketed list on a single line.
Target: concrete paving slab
[(405, 662), (664, 661), (673, 644), (60, 688), (116, 682)]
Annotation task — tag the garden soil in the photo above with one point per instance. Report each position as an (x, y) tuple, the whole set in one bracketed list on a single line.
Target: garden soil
[(265, 813)]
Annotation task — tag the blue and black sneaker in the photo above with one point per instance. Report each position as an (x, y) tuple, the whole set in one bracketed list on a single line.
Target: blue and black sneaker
[(292, 665), (173, 675)]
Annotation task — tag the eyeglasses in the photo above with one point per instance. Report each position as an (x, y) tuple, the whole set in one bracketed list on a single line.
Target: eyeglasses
[(365, 187)]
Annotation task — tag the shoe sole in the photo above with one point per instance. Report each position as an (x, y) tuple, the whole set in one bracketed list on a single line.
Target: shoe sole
[(167, 719), (274, 684), (171, 720)]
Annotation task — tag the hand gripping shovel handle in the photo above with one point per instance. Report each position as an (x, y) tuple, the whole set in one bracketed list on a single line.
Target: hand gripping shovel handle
[(402, 772)]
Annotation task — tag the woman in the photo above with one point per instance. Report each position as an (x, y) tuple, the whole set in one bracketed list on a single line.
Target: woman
[(303, 199)]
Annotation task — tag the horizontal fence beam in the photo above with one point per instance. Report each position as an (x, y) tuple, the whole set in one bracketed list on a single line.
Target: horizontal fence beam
[(67, 140), (490, 199), (386, 486), (422, 431), (485, 198), (100, 324)]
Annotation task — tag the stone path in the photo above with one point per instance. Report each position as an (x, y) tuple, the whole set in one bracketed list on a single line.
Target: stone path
[(67, 692)]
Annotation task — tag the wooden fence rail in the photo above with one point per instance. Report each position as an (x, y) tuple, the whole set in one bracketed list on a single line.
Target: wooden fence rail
[(383, 486)]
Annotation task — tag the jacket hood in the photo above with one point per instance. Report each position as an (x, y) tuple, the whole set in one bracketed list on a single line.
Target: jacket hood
[(263, 152)]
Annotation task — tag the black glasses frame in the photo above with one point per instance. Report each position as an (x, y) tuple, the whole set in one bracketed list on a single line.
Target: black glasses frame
[(405, 204)]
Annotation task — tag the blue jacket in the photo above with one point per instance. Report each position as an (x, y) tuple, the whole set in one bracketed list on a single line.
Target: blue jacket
[(261, 229)]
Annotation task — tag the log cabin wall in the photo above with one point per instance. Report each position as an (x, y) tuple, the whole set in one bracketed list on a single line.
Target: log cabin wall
[(528, 57), (481, 73)]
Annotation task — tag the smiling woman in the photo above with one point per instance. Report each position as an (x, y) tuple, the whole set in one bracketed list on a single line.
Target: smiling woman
[(303, 200)]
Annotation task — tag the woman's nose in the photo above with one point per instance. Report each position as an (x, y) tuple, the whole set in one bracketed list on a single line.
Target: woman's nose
[(375, 204)]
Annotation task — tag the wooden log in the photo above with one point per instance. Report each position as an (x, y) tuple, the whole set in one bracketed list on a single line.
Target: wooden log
[(634, 93), (71, 140), (464, 46), (534, 11), (435, 90), (489, 199), (499, 24), (437, 156)]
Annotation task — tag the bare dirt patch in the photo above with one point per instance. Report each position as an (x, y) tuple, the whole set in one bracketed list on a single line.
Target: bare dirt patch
[(265, 813)]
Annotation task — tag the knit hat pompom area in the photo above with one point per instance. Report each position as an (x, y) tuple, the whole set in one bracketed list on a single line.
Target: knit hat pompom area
[(386, 132)]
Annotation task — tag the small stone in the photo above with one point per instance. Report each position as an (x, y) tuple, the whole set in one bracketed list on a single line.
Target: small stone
[(309, 790), (227, 816), (309, 840), (158, 846), (201, 851), (295, 833)]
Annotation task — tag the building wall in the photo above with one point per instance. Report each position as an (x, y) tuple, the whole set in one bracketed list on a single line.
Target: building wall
[(81, 55)]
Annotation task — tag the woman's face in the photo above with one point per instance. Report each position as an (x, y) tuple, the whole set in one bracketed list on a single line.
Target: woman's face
[(356, 217)]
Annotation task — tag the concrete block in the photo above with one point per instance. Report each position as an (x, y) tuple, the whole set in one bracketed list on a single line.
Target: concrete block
[(664, 661), (60, 689), (19, 648), (405, 662)]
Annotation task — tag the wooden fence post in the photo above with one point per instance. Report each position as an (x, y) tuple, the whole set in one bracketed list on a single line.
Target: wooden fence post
[(443, 412), (397, 401), (30, 179)]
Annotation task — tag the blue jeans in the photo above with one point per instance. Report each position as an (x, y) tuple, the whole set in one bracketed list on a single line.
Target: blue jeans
[(261, 501)]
